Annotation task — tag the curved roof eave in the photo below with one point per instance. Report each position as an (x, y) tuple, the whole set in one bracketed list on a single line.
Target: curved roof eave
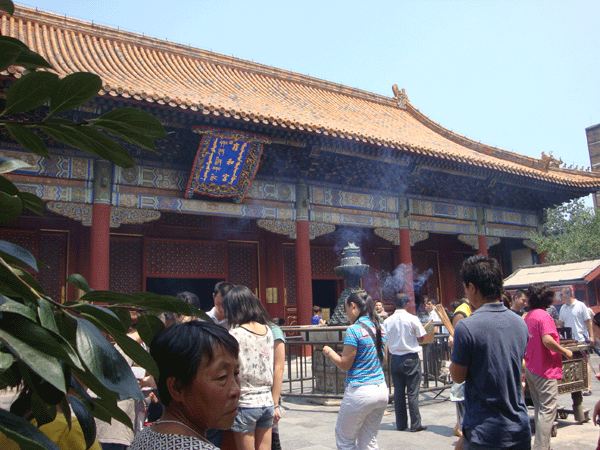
[(177, 76)]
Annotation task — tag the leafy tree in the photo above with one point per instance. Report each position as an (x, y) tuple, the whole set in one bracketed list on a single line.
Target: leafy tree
[(570, 232), (54, 352)]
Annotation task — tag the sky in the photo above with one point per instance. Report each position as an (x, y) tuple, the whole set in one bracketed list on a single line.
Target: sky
[(519, 75)]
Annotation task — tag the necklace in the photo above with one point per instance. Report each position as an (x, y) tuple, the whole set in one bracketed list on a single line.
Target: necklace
[(184, 425)]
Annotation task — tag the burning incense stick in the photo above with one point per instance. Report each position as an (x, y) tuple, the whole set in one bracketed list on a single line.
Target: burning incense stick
[(444, 318)]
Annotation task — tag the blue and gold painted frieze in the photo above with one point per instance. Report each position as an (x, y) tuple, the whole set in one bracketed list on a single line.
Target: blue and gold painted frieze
[(55, 166), (509, 232), (192, 206), (356, 220), (151, 177), (441, 226), (326, 196), (431, 208), (272, 190), (523, 218), (56, 192)]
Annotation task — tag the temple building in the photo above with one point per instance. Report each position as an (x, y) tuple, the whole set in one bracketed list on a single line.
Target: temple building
[(264, 177)]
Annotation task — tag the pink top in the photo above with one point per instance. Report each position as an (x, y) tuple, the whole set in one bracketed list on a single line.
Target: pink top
[(538, 359)]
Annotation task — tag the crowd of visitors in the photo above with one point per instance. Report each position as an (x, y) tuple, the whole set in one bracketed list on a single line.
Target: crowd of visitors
[(220, 384)]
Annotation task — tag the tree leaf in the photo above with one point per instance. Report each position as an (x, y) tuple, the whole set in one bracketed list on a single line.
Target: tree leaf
[(10, 165), (31, 60), (145, 300), (79, 281), (65, 408), (27, 138), (18, 253), (105, 362), (106, 407), (90, 140), (33, 203), (38, 338), (27, 436), (6, 360), (30, 91), (12, 282), (86, 420), (30, 280), (11, 207), (74, 90), (7, 6), (46, 366), (123, 315), (130, 134), (9, 52), (147, 327), (43, 412), (46, 315), (11, 306), (100, 314), (134, 350), (134, 119)]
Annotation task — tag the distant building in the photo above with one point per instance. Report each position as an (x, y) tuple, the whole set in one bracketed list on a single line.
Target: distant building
[(593, 139), (264, 177)]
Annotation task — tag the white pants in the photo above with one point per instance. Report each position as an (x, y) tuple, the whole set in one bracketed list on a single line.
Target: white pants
[(359, 417)]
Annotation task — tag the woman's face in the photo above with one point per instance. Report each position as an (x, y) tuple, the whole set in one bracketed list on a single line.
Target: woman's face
[(211, 400), (378, 307)]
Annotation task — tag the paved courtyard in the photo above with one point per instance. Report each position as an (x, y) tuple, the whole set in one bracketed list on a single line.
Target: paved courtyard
[(310, 426)]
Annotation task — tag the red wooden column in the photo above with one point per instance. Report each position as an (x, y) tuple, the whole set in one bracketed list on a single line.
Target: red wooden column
[(100, 235), (407, 268), (482, 250), (481, 239), (304, 298)]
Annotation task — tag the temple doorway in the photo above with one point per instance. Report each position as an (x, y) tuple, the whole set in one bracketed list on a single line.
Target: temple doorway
[(325, 294), (202, 287)]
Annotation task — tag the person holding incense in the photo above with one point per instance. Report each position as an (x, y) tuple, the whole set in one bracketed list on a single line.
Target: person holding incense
[(543, 362), (365, 394), (405, 332)]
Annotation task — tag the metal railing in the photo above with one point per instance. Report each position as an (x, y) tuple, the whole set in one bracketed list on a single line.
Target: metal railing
[(305, 362)]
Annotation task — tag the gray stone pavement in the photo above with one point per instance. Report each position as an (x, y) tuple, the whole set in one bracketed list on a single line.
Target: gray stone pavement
[(310, 426)]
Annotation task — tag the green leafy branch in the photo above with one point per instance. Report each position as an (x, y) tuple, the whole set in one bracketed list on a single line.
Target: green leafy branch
[(54, 353)]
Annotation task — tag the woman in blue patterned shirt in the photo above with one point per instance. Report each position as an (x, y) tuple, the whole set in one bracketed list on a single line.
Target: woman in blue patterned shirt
[(366, 394)]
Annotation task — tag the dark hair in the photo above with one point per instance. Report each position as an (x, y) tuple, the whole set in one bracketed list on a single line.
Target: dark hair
[(518, 294), (431, 300), (190, 299), (596, 319), (317, 309), (223, 287), (242, 306), (180, 349), (401, 300), (505, 297), (485, 274), (540, 296), (455, 304), (366, 307)]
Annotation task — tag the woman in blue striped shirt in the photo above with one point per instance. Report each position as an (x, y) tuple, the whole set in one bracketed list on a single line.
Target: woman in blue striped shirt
[(366, 394)]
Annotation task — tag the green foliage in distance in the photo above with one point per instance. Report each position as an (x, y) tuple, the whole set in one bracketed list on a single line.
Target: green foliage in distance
[(52, 352), (571, 232)]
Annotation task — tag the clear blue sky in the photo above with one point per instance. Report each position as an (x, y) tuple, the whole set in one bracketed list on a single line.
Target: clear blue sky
[(520, 75)]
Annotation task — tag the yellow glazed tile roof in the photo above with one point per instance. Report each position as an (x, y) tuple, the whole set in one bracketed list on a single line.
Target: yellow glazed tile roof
[(155, 71)]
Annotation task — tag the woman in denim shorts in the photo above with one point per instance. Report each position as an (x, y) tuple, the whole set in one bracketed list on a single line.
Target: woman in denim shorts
[(249, 323)]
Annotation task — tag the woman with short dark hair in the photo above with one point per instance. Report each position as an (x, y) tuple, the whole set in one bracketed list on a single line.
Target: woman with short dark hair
[(198, 386), (543, 362)]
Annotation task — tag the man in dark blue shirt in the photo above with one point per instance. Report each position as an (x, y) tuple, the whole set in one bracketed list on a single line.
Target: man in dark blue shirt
[(489, 347)]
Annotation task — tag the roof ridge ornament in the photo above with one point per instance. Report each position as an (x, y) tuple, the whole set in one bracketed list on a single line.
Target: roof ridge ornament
[(400, 96)]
